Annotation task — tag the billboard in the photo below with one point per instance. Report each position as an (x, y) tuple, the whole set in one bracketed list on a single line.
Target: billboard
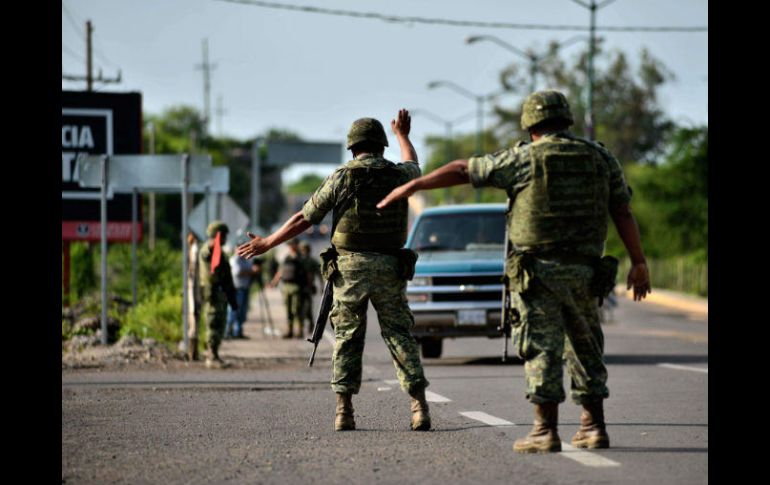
[(97, 123)]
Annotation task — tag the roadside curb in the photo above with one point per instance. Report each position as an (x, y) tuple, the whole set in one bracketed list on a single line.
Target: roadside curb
[(671, 299)]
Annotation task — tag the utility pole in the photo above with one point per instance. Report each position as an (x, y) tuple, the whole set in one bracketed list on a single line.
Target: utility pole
[(590, 130), (151, 127), (89, 77), (206, 67), (220, 111)]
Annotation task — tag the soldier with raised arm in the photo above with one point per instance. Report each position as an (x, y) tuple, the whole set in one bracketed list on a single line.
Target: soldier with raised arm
[(564, 189), (367, 262)]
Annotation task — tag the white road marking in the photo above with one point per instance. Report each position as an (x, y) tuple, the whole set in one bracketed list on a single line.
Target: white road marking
[(486, 418), (392, 382), (684, 367), (384, 388), (586, 458), (433, 397)]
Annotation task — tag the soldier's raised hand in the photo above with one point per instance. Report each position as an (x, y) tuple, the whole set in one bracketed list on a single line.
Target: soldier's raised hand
[(255, 247), (402, 124)]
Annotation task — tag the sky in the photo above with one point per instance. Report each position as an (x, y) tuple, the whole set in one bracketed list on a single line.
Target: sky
[(314, 74)]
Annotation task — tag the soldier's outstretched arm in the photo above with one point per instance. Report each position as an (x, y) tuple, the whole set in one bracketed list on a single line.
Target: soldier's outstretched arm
[(628, 230), (453, 173), (401, 127), (295, 226)]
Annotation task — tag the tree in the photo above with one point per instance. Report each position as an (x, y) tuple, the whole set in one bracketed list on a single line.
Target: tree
[(305, 185), (629, 120)]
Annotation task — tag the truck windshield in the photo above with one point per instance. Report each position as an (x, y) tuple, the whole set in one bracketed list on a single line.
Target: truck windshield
[(460, 232)]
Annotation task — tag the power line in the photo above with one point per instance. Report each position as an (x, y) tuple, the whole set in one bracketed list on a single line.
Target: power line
[(458, 23), (72, 20), (72, 53)]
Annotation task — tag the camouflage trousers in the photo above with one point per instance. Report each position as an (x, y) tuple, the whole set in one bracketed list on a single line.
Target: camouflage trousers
[(292, 298), (215, 310), (560, 322), (365, 277), (306, 313)]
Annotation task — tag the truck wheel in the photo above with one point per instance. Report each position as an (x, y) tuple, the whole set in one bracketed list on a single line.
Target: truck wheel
[(431, 347)]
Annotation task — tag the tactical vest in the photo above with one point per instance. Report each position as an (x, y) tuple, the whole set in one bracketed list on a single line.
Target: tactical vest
[(567, 200), (364, 227), (293, 271)]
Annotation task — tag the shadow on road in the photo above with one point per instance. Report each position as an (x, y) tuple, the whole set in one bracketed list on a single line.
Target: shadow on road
[(631, 359), (453, 361), (628, 449)]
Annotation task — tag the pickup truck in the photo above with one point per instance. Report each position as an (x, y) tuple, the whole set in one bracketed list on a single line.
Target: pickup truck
[(457, 287)]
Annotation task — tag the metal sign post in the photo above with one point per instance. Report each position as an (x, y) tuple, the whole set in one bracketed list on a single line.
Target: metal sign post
[(185, 249), (134, 217), (105, 165)]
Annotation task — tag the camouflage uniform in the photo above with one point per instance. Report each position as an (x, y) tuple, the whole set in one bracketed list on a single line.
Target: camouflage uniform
[(217, 290), (550, 276), (292, 295), (364, 276), (313, 270)]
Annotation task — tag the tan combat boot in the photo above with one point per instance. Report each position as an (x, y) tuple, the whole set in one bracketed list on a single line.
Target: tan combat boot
[(543, 438), (592, 432), (420, 412), (344, 420), (213, 360)]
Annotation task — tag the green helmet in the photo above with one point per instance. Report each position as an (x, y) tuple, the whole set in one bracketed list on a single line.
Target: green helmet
[(544, 105), (364, 129), (216, 226)]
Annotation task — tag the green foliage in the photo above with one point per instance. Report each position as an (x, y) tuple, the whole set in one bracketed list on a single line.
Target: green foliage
[(82, 269), (629, 120), (306, 185), (687, 274), (158, 271), (158, 317)]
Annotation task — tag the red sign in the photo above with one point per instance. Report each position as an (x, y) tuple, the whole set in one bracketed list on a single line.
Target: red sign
[(92, 231)]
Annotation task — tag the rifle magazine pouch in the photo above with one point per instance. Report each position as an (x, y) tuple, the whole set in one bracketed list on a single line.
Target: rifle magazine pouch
[(605, 274), (407, 261), (519, 271), (329, 263)]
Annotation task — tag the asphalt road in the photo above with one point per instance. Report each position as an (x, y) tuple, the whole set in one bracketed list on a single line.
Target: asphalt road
[(275, 425)]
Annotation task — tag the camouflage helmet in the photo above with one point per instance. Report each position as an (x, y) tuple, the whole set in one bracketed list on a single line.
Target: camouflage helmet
[(216, 226), (544, 105), (364, 129)]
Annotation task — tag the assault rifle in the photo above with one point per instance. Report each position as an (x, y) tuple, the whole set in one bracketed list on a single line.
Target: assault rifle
[(507, 313), (320, 321)]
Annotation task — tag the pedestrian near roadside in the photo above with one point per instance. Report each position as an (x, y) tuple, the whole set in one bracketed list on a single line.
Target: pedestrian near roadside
[(193, 297), (244, 273), (366, 262), (217, 289), (562, 189)]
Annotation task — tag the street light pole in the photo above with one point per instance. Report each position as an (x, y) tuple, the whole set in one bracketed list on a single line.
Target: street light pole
[(533, 59)]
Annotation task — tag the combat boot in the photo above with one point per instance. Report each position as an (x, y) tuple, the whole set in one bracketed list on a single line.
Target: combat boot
[(213, 360), (593, 431), (420, 412), (344, 420), (192, 351), (543, 438)]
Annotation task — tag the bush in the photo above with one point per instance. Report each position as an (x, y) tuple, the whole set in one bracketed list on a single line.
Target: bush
[(158, 317)]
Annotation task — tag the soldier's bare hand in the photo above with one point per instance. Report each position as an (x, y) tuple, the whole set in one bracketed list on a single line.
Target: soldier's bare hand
[(400, 192), (402, 124), (255, 247), (639, 279)]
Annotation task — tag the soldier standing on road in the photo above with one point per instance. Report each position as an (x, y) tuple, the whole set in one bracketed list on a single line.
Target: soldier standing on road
[(313, 270), (293, 277), (366, 262), (217, 289), (562, 188)]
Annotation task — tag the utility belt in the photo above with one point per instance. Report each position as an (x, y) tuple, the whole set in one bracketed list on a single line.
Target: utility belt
[(520, 270), (406, 261)]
